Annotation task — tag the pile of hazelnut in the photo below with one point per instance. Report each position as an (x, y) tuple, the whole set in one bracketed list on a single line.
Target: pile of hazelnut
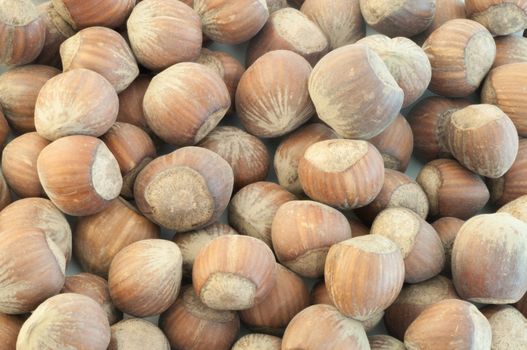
[(125, 141)]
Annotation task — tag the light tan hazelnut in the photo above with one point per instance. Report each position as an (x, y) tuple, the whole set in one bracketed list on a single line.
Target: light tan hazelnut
[(508, 326), (517, 208)]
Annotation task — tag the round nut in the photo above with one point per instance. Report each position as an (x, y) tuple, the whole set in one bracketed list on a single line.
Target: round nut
[(83, 14), (508, 327), (133, 334), (501, 17)]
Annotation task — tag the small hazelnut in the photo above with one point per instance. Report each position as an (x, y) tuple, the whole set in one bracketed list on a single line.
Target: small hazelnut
[(234, 272), (174, 109), (190, 324), (288, 297), (447, 229), (163, 33), (19, 164), (497, 277), (340, 20), (185, 190), (364, 275), (151, 268), (19, 89), (289, 29), (461, 53), (83, 14), (9, 329), (449, 324), (452, 190), (258, 341), (79, 174), (444, 12), (99, 237), (398, 18), (253, 208), (66, 321), (377, 97), (231, 22), (131, 103), (346, 174), (57, 31), (385, 342), (275, 5), (517, 208), (501, 17), (510, 49), (303, 232), (332, 330), (65, 105), (135, 333), (508, 326)]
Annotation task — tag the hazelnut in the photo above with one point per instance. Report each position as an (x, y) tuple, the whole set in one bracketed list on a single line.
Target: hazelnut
[(291, 150), (131, 103), (174, 109), (96, 288), (19, 164), (400, 18), (99, 237), (234, 272), (272, 98), (5, 193), (504, 87), (332, 330), (444, 12), (246, 154), (385, 342), (501, 17), (258, 341), (377, 97), (461, 53), (57, 31), (398, 190), (231, 22), (189, 324), (303, 232), (497, 277), (133, 149), (421, 247), (452, 190), (19, 89), (66, 321), (288, 297), (510, 49), (101, 50), (185, 190), (133, 334), (79, 174), (406, 61), (275, 5), (340, 20), (65, 105), (151, 268), (447, 229), (83, 14), (23, 32), (449, 324), (364, 275), (32, 269), (508, 327), (342, 173), (289, 29), (253, 208), (163, 33), (517, 208), (9, 329)]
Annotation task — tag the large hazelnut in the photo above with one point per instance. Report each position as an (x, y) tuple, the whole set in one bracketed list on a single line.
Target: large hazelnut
[(501, 17), (517, 208), (258, 341), (9, 329), (355, 70), (444, 12), (133, 334), (508, 326), (447, 229), (510, 49), (131, 103), (57, 31), (385, 342), (83, 14)]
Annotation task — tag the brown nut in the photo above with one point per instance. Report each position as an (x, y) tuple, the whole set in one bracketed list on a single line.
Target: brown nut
[(81, 322), (346, 174), (23, 32), (289, 29), (65, 105), (501, 17), (9, 329), (447, 229), (461, 53), (444, 12), (190, 324), (131, 103), (517, 208), (449, 324), (96, 288), (398, 18), (253, 208), (133, 334), (163, 33), (101, 50), (19, 89), (303, 232), (234, 272), (185, 102), (332, 330), (246, 154), (150, 268), (385, 342), (364, 275), (510, 49), (503, 239), (57, 31), (83, 14), (258, 341), (340, 20), (442, 181), (508, 327), (231, 22), (99, 237), (19, 164), (185, 190), (79, 174), (377, 97)]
